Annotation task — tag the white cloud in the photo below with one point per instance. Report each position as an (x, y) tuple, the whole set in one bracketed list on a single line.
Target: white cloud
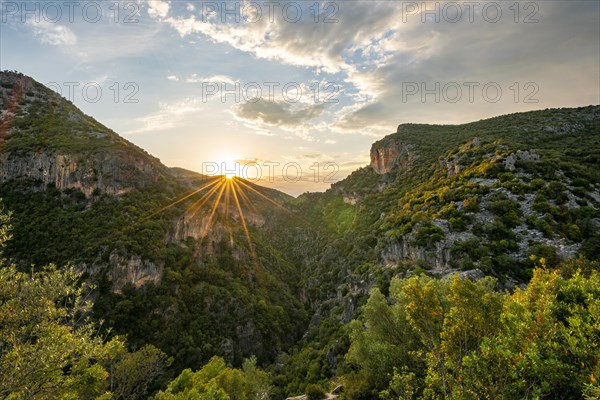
[(304, 43), (194, 78), (167, 117), (53, 34), (158, 8), (278, 113), (173, 78)]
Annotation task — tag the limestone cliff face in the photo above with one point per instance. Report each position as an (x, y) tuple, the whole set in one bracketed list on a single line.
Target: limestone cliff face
[(125, 269), (389, 154), (45, 138), (437, 257), (112, 173)]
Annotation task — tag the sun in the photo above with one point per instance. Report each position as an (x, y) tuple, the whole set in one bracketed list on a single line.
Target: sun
[(230, 175)]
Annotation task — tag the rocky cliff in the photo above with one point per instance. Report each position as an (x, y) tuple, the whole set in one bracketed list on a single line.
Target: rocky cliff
[(45, 138), (113, 173), (391, 153)]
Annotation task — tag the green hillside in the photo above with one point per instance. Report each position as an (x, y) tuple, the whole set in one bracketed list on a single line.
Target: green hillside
[(355, 286)]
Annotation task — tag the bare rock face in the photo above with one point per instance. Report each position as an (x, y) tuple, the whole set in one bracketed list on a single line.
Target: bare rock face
[(390, 154), (110, 173), (512, 159), (125, 269), (132, 270)]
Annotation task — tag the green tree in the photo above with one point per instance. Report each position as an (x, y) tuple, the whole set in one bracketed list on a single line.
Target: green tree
[(548, 344), (315, 392), (49, 348), (381, 340), (219, 382)]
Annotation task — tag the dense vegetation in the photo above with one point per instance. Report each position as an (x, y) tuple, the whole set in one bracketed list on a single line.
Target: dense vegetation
[(449, 338), (49, 347), (350, 286), (459, 339)]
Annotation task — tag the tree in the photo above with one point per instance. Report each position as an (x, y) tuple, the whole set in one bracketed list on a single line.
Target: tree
[(49, 348), (458, 339), (217, 381), (548, 344), (381, 340), (133, 373), (315, 392)]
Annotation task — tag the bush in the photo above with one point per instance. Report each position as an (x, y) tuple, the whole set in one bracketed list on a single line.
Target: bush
[(315, 392), (471, 204)]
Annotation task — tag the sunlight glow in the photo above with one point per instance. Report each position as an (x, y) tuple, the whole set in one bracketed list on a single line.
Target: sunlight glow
[(226, 197)]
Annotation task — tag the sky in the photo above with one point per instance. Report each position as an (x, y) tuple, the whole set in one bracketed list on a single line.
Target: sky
[(292, 94)]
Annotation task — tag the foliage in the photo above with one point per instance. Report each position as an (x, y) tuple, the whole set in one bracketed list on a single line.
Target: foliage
[(315, 392), (461, 339), (319, 255), (217, 381), (50, 349)]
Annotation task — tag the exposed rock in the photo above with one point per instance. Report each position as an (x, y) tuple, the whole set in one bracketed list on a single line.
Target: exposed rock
[(437, 257), (563, 127), (472, 274), (511, 160), (122, 270), (484, 181), (350, 199), (113, 173), (390, 154), (338, 389), (452, 167)]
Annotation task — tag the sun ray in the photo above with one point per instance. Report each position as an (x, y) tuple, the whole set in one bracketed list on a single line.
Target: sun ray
[(177, 201), (195, 208), (263, 196), (227, 196), (206, 227), (246, 200), (258, 268), (293, 215), (150, 216)]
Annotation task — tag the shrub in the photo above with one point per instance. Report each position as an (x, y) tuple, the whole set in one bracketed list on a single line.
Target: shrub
[(471, 204), (315, 392)]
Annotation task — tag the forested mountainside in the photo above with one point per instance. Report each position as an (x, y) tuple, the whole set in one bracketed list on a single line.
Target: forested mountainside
[(356, 285)]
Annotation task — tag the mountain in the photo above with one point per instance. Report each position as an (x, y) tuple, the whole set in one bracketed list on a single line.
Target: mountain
[(167, 248), (494, 197), (201, 266)]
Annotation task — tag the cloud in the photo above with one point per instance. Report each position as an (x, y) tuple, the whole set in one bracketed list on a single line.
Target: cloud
[(248, 161), (167, 117), (277, 113), (276, 35), (158, 8), (225, 79), (173, 78), (376, 47), (53, 34), (505, 54)]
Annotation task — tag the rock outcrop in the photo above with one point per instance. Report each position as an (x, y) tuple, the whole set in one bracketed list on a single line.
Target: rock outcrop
[(73, 151), (390, 154), (125, 269), (519, 155), (437, 257), (114, 173)]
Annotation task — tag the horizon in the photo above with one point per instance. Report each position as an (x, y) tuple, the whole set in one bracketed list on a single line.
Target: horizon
[(197, 84)]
